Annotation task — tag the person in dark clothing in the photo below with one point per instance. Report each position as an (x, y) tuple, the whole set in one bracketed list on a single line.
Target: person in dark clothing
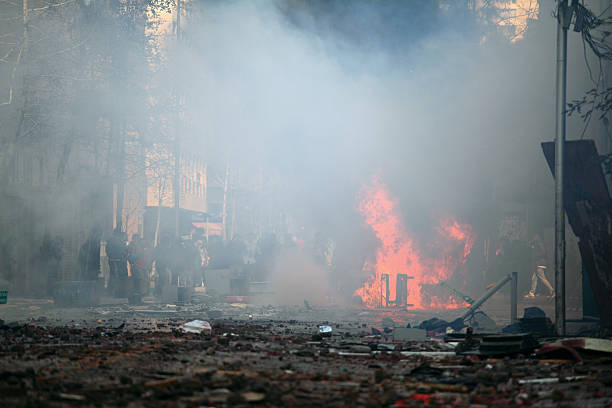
[(139, 264), (89, 256), (510, 256), (50, 257), (116, 250), (163, 261)]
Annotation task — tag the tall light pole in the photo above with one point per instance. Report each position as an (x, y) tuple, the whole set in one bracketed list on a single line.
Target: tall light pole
[(177, 163), (564, 16)]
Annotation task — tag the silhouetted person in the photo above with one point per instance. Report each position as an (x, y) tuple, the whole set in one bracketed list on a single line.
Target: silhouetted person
[(139, 262), (117, 251), (89, 256), (50, 257), (163, 262), (511, 256)]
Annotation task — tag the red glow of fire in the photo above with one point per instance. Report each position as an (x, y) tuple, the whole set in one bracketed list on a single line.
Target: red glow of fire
[(397, 252)]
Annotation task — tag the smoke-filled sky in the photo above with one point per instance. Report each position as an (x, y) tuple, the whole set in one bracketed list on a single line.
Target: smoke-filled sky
[(328, 93), (305, 100)]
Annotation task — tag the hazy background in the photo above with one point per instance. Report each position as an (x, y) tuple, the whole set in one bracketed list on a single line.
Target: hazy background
[(445, 108), (307, 100)]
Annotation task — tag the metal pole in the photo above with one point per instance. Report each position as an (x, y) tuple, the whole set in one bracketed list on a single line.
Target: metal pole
[(470, 310), (514, 298), (564, 17), (177, 169)]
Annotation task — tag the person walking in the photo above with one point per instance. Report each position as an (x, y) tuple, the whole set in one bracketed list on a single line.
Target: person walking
[(538, 251)]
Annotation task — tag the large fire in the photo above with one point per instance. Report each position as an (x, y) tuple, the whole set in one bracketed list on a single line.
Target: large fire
[(398, 253)]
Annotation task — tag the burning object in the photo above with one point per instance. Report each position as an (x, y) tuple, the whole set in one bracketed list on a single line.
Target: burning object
[(401, 269)]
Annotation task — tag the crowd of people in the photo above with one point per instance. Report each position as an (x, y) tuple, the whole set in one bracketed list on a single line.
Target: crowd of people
[(137, 269)]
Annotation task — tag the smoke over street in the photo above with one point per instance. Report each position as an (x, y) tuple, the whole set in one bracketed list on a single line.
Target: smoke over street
[(314, 180)]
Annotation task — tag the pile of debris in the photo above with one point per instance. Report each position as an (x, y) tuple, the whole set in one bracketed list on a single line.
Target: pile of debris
[(169, 361)]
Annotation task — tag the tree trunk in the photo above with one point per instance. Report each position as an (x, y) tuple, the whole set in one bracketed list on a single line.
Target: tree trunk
[(9, 150)]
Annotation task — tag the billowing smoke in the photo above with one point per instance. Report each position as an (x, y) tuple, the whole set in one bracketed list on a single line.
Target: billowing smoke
[(450, 113), (304, 102), (296, 278)]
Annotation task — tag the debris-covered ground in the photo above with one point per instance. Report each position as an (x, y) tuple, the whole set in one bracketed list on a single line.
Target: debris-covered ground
[(131, 357), (142, 360)]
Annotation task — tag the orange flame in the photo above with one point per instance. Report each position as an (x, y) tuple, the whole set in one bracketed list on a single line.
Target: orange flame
[(452, 229), (397, 253)]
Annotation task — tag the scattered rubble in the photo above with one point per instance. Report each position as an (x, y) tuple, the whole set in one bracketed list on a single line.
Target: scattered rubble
[(409, 334), (124, 357)]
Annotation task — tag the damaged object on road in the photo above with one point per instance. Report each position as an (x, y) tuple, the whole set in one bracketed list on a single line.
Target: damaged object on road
[(196, 326), (244, 361)]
